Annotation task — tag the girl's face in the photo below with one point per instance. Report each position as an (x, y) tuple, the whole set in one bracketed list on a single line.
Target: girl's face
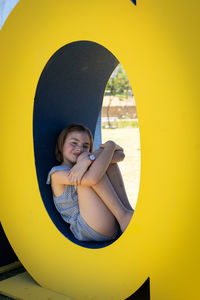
[(75, 143)]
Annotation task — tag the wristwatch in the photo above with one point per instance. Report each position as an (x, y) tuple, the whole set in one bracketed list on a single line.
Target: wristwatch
[(91, 158)]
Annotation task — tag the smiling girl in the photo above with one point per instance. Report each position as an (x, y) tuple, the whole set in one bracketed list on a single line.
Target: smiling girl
[(88, 189)]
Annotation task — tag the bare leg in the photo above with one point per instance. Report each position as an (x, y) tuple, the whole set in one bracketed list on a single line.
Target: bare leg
[(99, 205), (114, 174), (107, 193), (95, 212), (115, 177)]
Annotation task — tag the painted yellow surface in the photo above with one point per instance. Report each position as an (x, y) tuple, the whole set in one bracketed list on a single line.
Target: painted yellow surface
[(157, 43), (23, 287)]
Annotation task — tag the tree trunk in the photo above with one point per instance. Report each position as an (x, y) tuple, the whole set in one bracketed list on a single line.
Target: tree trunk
[(108, 112)]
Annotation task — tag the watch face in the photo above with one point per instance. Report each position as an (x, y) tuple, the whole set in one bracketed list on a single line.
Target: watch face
[(92, 157)]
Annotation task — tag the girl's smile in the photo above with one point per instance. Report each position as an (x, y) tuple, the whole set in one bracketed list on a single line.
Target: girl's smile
[(75, 143)]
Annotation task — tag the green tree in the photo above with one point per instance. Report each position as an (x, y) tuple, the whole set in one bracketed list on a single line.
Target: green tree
[(118, 85)]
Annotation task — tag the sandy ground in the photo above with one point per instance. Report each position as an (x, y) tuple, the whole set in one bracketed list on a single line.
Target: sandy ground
[(129, 139)]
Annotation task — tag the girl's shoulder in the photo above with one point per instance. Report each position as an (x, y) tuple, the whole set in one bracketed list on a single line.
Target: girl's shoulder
[(55, 169)]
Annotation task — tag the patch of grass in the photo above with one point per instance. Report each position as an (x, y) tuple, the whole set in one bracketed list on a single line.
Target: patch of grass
[(121, 124)]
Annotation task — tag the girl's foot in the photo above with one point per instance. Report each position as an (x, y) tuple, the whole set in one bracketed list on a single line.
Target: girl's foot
[(126, 220)]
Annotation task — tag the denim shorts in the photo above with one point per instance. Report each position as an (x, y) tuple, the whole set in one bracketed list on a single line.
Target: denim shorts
[(83, 232)]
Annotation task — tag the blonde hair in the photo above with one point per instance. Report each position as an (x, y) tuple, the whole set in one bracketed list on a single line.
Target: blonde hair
[(62, 137)]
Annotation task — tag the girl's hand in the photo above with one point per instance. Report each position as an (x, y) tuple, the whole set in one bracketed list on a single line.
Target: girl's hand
[(83, 155), (111, 143), (78, 170)]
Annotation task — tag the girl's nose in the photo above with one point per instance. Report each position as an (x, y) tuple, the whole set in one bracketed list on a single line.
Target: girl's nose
[(80, 148)]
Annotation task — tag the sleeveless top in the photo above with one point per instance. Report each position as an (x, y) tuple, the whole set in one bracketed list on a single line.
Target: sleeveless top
[(67, 203)]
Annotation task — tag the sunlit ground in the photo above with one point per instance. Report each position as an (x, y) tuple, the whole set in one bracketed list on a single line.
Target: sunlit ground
[(129, 139)]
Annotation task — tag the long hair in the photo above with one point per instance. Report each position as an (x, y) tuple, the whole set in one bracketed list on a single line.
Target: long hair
[(62, 137)]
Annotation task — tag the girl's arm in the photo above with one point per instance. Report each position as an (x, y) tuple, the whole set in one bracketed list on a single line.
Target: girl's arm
[(78, 170), (74, 175), (100, 165), (118, 155)]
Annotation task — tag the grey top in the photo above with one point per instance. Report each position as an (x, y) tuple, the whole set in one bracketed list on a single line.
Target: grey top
[(67, 203)]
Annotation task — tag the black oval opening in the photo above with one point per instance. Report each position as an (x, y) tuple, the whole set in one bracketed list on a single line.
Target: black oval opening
[(70, 89)]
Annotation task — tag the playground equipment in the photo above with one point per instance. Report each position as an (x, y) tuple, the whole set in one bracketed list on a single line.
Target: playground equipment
[(85, 40)]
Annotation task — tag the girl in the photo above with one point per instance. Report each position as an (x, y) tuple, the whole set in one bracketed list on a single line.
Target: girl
[(88, 189)]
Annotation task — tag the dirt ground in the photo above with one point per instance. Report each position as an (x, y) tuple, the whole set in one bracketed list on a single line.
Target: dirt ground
[(129, 139)]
